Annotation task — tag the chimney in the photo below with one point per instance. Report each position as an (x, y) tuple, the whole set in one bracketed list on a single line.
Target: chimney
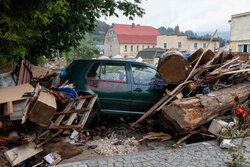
[(133, 25), (177, 30)]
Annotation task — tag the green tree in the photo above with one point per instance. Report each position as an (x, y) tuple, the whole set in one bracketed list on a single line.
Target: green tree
[(86, 50), (39, 28)]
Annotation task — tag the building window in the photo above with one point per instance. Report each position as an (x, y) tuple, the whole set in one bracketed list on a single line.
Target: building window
[(137, 48), (148, 46), (204, 45), (244, 48), (165, 46), (142, 46), (126, 48), (195, 45), (179, 45), (132, 48)]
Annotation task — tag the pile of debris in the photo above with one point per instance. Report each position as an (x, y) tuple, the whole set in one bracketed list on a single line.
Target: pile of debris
[(31, 117), (204, 86)]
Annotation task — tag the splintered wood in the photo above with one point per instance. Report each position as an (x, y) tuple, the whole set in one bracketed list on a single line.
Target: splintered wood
[(157, 136)]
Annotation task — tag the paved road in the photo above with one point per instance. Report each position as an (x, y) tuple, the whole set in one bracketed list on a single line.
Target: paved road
[(193, 155)]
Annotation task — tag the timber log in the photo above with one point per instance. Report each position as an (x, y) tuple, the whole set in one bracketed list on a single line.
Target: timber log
[(184, 115), (173, 67)]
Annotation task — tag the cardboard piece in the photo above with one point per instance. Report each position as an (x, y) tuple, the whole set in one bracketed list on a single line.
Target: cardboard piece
[(43, 110), (8, 108), (14, 93)]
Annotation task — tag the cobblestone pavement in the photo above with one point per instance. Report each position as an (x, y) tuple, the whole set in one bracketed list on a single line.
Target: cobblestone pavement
[(197, 154)]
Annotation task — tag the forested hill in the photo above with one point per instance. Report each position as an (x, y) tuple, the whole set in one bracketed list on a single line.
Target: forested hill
[(98, 34)]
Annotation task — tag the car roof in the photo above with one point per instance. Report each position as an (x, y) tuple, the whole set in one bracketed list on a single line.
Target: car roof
[(112, 61)]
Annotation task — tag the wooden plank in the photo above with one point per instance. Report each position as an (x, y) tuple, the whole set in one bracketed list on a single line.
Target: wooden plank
[(20, 74), (86, 114), (28, 106), (151, 110), (73, 115), (24, 72), (72, 111), (50, 138), (14, 93), (8, 108), (60, 118), (65, 127), (21, 153), (40, 72), (79, 98), (226, 64)]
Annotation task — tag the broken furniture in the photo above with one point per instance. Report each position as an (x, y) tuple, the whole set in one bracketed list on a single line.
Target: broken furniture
[(65, 118)]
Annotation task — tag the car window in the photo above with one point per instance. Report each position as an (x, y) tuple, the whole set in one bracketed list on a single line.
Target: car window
[(114, 72), (94, 71), (143, 75)]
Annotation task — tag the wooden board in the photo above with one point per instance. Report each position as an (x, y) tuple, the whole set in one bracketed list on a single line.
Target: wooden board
[(39, 72), (44, 109), (21, 153), (24, 75), (60, 147), (28, 107), (14, 93)]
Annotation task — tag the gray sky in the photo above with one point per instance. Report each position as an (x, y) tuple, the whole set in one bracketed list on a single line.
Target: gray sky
[(195, 15)]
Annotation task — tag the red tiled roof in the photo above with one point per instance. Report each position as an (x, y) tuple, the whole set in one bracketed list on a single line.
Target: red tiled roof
[(138, 34)]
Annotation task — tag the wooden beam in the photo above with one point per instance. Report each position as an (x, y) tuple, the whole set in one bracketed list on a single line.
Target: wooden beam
[(228, 63), (86, 115), (72, 111), (28, 106), (60, 118), (79, 98), (151, 110), (50, 138), (73, 115), (65, 127)]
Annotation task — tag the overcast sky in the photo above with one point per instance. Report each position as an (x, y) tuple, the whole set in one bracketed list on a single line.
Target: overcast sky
[(195, 15)]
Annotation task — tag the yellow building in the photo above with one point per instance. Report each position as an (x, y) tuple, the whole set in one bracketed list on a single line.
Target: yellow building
[(185, 44), (128, 40), (240, 33)]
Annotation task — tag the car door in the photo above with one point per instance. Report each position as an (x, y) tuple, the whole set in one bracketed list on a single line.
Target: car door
[(147, 87), (113, 86)]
